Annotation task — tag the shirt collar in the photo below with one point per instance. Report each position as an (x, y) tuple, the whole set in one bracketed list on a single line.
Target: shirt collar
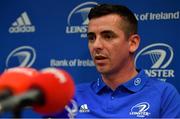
[(98, 85), (134, 85)]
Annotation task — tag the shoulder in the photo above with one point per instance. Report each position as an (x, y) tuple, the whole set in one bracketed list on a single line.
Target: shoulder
[(154, 84), (84, 93), (166, 91), (161, 86), (170, 105), (82, 87)]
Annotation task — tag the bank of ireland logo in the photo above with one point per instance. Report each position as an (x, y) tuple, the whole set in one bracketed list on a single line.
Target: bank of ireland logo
[(155, 59), (23, 56), (140, 110), (78, 19)]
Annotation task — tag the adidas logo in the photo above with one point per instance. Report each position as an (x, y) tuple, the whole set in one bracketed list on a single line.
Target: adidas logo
[(22, 24), (84, 108)]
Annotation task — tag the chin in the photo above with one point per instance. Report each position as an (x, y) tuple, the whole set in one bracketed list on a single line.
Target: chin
[(102, 71)]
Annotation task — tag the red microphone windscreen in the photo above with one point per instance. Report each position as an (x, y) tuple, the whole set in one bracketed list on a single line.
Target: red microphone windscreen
[(17, 79), (58, 89)]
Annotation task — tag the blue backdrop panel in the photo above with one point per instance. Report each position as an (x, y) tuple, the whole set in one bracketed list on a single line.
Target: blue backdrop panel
[(52, 33)]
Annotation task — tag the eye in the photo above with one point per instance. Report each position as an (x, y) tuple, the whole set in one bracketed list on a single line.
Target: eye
[(91, 37), (108, 35)]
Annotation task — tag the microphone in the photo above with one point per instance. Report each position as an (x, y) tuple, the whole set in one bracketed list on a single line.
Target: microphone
[(16, 80), (49, 93)]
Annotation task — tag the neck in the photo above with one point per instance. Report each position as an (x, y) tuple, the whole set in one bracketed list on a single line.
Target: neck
[(115, 79)]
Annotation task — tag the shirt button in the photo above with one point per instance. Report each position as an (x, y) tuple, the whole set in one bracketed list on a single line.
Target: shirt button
[(112, 97)]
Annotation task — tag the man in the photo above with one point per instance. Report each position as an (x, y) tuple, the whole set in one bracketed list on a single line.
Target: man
[(121, 90)]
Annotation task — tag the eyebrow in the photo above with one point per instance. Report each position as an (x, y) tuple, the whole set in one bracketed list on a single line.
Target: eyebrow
[(107, 31), (103, 32)]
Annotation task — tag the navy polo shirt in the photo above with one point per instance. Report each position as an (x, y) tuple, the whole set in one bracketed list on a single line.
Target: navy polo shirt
[(141, 96)]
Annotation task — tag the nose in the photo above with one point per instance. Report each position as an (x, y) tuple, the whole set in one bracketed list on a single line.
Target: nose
[(98, 44)]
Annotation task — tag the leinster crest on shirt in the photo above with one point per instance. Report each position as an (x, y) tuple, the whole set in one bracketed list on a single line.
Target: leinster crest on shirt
[(140, 110)]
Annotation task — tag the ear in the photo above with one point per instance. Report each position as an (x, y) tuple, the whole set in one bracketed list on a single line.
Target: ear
[(134, 41)]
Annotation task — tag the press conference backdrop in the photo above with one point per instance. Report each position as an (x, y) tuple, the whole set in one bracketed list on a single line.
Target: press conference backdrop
[(52, 33)]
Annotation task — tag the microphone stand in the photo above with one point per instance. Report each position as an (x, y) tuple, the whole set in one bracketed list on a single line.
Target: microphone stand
[(17, 103)]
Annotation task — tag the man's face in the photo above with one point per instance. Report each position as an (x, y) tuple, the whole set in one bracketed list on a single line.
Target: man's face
[(108, 44)]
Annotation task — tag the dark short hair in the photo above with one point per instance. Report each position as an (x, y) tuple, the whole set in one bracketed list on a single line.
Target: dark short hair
[(124, 12)]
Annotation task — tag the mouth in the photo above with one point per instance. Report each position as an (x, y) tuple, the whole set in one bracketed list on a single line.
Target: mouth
[(100, 59)]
